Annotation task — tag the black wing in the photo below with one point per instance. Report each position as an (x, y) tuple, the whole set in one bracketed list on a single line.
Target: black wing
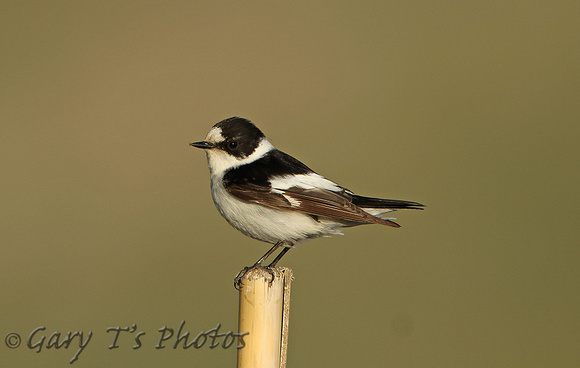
[(251, 183)]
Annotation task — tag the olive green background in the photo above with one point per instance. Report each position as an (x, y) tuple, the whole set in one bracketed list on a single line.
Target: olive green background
[(469, 107)]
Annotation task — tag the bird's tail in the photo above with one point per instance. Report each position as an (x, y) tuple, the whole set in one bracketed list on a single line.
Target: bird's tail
[(386, 204), (378, 207)]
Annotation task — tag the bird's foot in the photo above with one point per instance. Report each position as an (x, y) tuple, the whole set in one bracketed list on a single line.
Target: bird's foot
[(239, 278)]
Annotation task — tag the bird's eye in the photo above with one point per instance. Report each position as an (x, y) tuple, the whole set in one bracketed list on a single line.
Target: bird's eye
[(233, 144)]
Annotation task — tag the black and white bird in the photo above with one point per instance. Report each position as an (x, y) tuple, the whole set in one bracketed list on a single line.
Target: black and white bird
[(270, 196)]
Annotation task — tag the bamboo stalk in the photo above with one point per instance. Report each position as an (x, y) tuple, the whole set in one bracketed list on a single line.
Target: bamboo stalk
[(264, 313)]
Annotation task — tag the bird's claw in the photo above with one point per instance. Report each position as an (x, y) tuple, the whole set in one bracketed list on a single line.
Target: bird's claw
[(238, 279)]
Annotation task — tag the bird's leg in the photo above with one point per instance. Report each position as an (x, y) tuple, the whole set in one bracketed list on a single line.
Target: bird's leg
[(278, 257), (242, 273), (268, 253)]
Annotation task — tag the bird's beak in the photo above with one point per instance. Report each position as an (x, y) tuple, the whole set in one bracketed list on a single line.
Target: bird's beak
[(203, 145)]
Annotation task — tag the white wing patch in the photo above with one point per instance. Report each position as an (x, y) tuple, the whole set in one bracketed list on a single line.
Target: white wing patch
[(293, 201), (304, 181)]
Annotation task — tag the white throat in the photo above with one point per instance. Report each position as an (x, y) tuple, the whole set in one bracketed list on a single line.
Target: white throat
[(219, 161)]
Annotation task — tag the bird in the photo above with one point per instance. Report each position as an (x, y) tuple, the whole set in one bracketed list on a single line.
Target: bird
[(273, 197)]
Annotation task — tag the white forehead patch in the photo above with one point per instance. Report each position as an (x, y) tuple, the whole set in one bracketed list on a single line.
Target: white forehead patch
[(215, 135)]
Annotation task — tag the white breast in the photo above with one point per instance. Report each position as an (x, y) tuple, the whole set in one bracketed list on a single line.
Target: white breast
[(265, 223)]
